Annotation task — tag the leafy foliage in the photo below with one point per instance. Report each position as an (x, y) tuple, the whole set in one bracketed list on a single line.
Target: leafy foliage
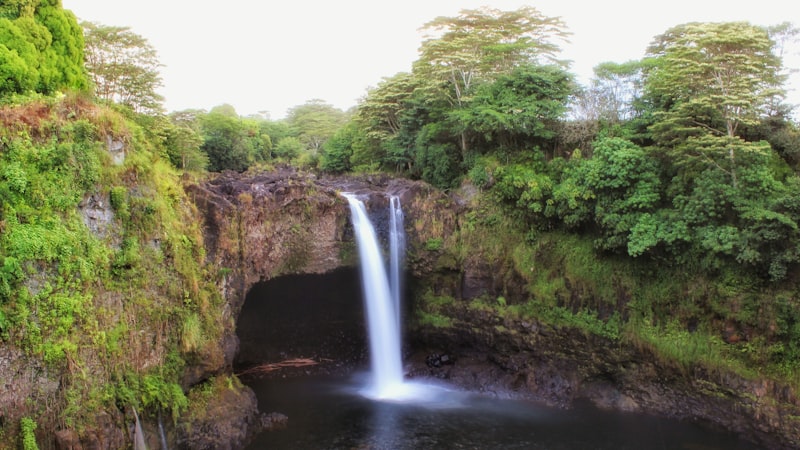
[(517, 109), (41, 49), (315, 122), (337, 152), (27, 429), (228, 142), (96, 255)]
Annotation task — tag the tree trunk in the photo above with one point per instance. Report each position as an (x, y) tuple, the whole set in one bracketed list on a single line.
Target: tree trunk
[(732, 157)]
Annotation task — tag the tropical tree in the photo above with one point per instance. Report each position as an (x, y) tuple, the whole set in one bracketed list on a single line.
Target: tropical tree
[(228, 140), (61, 65), (709, 80), (337, 152), (183, 147), (18, 60), (289, 148), (478, 45), (315, 122), (124, 67), (380, 116), (784, 35), (618, 86), (519, 109)]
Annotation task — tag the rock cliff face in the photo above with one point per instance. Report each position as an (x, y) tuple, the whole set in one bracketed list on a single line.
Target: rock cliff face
[(270, 224), (285, 222), (525, 358), (258, 227)]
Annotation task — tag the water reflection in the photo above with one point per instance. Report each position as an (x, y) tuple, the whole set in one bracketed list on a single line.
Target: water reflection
[(332, 414), (385, 427)]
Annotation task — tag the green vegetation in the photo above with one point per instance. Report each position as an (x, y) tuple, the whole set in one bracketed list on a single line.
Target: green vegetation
[(432, 310), (41, 48), (123, 67), (657, 206), (27, 427), (730, 322), (434, 244), (102, 276)]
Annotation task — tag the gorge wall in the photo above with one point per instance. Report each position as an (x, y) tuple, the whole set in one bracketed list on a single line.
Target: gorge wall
[(286, 222), (262, 226)]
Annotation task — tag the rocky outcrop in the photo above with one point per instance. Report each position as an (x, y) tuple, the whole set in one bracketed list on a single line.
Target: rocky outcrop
[(283, 222), (510, 357), (105, 433), (226, 421), (260, 226)]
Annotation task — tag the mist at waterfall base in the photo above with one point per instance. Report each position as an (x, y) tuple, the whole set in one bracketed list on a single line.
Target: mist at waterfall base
[(378, 409)]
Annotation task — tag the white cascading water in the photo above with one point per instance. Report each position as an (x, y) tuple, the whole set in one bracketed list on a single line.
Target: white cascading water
[(397, 247), (138, 434), (382, 321), (382, 301)]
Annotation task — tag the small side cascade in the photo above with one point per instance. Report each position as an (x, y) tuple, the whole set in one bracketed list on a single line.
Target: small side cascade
[(138, 434), (397, 248)]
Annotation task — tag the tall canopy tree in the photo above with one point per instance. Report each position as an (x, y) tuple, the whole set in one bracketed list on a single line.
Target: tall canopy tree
[(617, 85), (480, 44), (230, 141), (338, 150), (517, 109), (710, 79), (315, 122), (380, 116), (784, 35), (182, 145), (123, 67), (225, 141)]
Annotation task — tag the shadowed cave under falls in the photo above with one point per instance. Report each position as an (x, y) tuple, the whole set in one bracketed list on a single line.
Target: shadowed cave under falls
[(322, 318), (317, 317)]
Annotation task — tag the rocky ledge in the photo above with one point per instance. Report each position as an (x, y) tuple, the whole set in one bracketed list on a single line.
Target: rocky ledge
[(483, 352)]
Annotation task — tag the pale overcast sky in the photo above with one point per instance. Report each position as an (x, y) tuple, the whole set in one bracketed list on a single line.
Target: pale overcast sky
[(273, 55)]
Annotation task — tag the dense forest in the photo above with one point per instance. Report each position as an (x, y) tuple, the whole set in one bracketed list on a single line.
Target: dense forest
[(681, 167)]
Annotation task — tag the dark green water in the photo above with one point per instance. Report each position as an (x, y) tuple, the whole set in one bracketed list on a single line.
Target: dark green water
[(329, 413)]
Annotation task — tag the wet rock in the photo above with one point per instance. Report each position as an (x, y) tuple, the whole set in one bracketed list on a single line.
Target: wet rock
[(97, 214), (68, 440), (225, 421), (274, 421), (105, 433), (258, 226), (436, 360), (558, 366)]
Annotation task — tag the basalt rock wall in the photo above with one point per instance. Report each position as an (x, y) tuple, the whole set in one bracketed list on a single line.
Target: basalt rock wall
[(261, 226), (515, 358), (258, 227)]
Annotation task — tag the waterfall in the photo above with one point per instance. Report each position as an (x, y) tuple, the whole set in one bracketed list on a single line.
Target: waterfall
[(382, 308), (397, 246), (138, 434)]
